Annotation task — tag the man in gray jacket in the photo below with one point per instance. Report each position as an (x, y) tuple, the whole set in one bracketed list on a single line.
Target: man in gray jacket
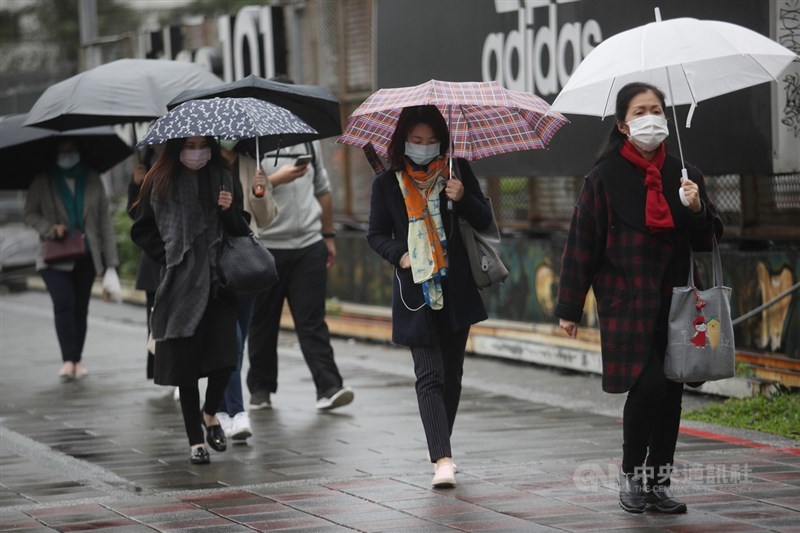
[(302, 240)]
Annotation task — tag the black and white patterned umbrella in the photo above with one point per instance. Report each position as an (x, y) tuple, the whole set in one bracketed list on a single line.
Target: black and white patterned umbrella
[(228, 118)]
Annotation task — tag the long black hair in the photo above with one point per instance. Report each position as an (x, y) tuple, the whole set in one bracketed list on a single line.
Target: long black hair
[(158, 180), (410, 117), (615, 137)]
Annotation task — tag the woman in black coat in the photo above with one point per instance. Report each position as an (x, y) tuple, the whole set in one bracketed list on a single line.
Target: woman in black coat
[(434, 299), (187, 199), (631, 239)]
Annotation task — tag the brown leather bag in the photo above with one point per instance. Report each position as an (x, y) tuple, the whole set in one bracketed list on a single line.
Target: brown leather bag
[(70, 247)]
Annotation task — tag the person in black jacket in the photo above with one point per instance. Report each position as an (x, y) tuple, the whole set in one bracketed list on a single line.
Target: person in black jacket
[(434, 298), (148, 271), (187, 200)]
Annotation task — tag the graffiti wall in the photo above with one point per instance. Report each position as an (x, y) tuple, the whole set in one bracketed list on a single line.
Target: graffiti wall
[(529, 294)]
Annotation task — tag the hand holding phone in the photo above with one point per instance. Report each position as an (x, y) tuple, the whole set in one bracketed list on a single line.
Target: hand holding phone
[(302, 160)]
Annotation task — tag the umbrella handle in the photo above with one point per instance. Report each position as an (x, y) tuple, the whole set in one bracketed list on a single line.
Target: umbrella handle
[(681, 194), (450, 174)]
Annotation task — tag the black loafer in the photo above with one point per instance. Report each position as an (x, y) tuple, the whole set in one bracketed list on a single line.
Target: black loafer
[(199, 456), (631, 493), (660, 498), (215, 436)]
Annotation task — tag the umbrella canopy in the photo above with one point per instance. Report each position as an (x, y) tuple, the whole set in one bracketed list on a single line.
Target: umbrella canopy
[(126, 90), (26, 151), (484, 118), (229, 118), (315, 105), (703, 58)]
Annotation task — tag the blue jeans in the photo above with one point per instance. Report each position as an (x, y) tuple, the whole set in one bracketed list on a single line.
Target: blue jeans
[(232, 401)]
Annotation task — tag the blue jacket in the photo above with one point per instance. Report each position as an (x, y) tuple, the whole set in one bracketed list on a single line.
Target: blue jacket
[(388, 236)]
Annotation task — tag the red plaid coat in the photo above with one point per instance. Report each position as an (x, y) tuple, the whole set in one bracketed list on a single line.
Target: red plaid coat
[(631, 270)]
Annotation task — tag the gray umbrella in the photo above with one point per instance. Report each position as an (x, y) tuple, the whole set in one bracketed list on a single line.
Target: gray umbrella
[(228, 118), (123, 91)]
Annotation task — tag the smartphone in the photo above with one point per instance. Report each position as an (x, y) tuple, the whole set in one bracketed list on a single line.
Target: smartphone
[(302, 160)]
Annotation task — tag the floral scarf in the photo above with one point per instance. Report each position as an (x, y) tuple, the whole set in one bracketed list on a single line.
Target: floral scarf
[(427, 241)]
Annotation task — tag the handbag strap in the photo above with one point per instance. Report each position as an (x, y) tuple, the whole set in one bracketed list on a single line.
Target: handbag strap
[(716, 261)]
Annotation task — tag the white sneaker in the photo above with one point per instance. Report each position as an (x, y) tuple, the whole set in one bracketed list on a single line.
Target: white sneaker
[(176, 394), (240, 426), (428, 455), (445, 476), (335, 398), (226, 422)]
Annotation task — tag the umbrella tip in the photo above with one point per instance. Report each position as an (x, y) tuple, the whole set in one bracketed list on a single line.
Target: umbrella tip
[(658, 14)]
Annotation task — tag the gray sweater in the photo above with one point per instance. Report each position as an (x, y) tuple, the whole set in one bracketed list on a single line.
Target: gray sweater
[(298, 222)]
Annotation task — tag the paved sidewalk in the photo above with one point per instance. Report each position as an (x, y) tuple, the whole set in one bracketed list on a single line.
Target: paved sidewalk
[(109, 452)]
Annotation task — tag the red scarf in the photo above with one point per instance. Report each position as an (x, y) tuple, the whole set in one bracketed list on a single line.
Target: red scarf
[(657, 216)]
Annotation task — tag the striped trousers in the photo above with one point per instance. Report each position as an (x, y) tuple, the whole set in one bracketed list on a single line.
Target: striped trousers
[(438, 369)]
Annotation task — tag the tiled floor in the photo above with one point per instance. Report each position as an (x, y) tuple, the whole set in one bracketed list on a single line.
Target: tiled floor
[(109, 454)]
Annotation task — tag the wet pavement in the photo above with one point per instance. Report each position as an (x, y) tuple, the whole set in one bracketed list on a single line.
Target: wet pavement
[(537, 450)]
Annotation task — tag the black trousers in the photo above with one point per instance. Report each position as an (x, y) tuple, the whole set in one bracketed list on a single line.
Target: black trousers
[(71, 292), (651, 420), (190, 403), (302, 281), (439, 369)]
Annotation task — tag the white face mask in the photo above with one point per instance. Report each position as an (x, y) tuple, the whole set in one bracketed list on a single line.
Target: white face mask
[(648, 132), (68, 160), (422, 154)]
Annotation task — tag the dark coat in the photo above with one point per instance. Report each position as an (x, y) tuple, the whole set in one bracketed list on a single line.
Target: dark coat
[(213, 345), (388, 236), (148, 272), (631, 270)]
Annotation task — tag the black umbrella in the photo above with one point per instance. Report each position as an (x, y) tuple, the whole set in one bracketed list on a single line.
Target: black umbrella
[(123, 91), (25, 151), (314, 105)]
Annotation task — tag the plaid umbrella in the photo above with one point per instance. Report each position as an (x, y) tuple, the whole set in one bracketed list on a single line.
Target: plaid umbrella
[(229, 118), (484, 118)]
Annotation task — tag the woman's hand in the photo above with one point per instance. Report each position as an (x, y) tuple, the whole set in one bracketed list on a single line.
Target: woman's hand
[(570, 327), (259, 183), (59, 230), (692, 195), (287, 174), (225, 199), (405, 261), (139, 172), (454, 189)]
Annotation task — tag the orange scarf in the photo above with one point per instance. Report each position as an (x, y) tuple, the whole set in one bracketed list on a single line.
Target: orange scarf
[(426, 236)]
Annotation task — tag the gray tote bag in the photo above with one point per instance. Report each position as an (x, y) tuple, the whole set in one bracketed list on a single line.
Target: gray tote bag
[(700, 344), (483, 251)]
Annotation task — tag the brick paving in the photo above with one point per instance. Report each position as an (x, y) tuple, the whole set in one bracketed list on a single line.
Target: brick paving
[(109, 453)]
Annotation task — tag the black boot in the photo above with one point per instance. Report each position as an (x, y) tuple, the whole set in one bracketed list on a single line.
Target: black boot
[(660, 498), (631, 492)]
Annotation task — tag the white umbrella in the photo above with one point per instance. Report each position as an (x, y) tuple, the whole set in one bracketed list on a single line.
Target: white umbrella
[(694, 60)]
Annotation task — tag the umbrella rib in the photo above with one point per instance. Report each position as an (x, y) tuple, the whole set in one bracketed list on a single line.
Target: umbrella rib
[(608, 96), (689, 85)]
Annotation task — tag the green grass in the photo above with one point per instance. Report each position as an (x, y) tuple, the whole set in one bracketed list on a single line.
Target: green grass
[(778, 414)]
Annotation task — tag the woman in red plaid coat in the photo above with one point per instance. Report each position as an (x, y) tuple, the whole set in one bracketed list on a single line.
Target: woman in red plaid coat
[(630, 240)]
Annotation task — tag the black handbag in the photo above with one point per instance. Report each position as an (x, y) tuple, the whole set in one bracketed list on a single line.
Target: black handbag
[(245, 266)]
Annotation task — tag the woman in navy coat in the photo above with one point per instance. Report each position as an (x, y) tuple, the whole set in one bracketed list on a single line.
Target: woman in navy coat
[(434, 299), (631, 240)]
